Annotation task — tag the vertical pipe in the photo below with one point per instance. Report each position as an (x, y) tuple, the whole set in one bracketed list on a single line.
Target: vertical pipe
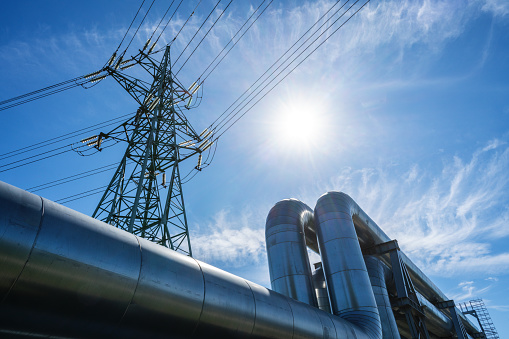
[(347, 279), (290, 272), (378, 274), (322, 296)]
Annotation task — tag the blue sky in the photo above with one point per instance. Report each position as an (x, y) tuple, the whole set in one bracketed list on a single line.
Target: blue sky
[(406, 109)]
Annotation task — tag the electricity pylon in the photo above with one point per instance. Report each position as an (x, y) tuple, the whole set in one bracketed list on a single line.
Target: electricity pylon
[(159, 137)]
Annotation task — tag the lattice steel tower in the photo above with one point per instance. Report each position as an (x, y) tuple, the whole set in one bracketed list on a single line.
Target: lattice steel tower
[(159, 137)]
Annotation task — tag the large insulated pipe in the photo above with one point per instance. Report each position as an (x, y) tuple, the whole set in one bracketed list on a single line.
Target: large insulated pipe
[(370, 234), (66, 274), (379, 273), (348, 283), (290, 272)]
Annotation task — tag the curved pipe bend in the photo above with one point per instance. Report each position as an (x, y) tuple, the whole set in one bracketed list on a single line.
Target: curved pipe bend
[(370, 234), (290, 272), (348, 282)]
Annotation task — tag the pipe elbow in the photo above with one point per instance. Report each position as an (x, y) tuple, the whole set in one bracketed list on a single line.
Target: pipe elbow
[(288, 214), (348, 282), (286, 242), (333, 202)]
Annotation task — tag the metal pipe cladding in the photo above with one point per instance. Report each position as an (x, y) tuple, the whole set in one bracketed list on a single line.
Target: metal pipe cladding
[(66, 274), (289, 269), (348, 283)]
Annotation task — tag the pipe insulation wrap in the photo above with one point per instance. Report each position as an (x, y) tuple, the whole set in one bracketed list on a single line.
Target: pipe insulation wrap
[(289, 268), (370, 234), (379, 273), (348, 283), (66, 274)]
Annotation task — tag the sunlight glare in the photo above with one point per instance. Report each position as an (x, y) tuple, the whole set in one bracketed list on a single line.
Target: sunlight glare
[(299, 124)]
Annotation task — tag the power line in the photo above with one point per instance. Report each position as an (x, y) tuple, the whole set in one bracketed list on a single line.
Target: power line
[(139, 26), (204, 36), (81, 195), (128, 29), (68, 84), (38, 91), (62, 137), (240, 29), (224, 125), (44, 92), (161, 21), (198, 30), (72, 178), (175, 11), (184, 25), (333, 32), (275, 63), (31, 162)]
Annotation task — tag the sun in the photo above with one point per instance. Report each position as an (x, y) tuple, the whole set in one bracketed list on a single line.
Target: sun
[(299, 124)]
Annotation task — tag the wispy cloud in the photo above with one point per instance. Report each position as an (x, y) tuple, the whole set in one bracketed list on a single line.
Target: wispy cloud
[(231, 239), (502, 308), (445, 221), (468, 291), (496, 7)]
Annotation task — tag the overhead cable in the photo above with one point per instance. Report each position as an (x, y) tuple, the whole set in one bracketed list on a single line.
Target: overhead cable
[(72, 178), (240, 29), (128, 29), (203, 38), (273, 79), (62, 137), (169, 20), (274, 64), (197, 31)]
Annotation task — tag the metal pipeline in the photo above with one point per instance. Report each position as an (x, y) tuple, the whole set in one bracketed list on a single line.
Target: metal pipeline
[(290, 272), (66, 274), (379, 273), (348, 283), (370, 234)]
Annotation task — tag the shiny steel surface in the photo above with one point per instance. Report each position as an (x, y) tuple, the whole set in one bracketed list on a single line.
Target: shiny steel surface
[(350, 291), (290, 272), (369, 234), (169, 294), (378, 275), (20, 216), (322, 296), (82, 278)]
